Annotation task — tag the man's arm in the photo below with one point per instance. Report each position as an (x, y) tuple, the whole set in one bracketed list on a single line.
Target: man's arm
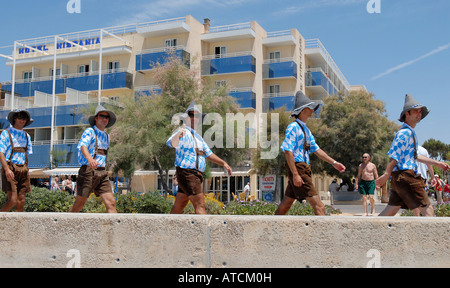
[(324, 156), (379, 182), (428, 161), (298, 181), (92, 162), (9, 174), (358, 177), (216, 159)]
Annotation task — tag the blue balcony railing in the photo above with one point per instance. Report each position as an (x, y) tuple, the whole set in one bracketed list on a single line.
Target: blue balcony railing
[(318, 78), (64, 116), (80, 82), (148, 59), (246, 99), (271, 102), (284, 69), (228, 64)]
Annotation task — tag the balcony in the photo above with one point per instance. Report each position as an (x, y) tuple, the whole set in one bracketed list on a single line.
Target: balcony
[(148, 59), (279, 68), (118, 78), (272, 101), (240, 62), (245, 97), (318, 81)]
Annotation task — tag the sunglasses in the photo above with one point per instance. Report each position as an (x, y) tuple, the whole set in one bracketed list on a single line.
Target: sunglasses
[(104, 116)]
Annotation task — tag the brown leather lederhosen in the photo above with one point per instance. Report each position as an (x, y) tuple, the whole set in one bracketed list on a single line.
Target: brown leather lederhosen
[(304, 170), (190, 180), (21, 183), (90, 180)]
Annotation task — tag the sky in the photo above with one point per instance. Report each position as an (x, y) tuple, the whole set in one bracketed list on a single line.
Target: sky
[(404, 49)]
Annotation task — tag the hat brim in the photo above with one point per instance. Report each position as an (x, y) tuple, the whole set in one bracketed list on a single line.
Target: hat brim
[(425, 112), (312, 105), (112, 118), (13, 113)]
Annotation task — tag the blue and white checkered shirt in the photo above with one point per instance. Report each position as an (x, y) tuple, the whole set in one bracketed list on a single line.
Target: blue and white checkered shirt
[(402, 149), (88, 140), (20, 139), (185, 151), (294, 141)]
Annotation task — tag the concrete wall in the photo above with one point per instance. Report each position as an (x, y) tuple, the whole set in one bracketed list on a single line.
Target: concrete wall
[(127, 240)]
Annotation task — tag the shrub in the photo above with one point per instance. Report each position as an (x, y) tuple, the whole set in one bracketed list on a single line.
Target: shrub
[(440, 210)]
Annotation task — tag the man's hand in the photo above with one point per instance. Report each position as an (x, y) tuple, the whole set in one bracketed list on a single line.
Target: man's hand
[(9, 174), (382, 180), (298, 181), (339, 166), (228, 168), (92, 163)]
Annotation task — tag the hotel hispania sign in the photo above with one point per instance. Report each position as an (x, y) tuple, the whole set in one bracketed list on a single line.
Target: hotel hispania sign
[(63, 45)]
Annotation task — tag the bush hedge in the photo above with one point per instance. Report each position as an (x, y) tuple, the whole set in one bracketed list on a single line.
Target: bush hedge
[(43, 200)]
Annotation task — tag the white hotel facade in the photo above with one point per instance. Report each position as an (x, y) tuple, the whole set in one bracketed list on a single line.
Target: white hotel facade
[(263, 70)]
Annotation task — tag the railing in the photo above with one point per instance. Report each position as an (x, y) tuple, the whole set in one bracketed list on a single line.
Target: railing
[(161, 49), (122, 29), (55, 142), (315, 43), (279, 33), (227, 55), (279, 60), (68, 76), (232, 27)]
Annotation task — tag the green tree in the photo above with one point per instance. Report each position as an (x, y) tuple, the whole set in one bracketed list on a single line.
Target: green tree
[(437, 149), (143, 126), (276, 165), (349, 126)]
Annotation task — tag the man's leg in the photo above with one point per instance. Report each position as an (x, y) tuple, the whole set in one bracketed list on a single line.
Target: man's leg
[(317, 205), (12, 201), (372, 204), (181, 200), (427, 211), (20, 206), (79, 204), (285, 205), (110, 202), (365, 203), (390, 210), (199, 203)]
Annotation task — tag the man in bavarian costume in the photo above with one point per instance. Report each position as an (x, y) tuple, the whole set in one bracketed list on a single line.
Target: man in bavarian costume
[(191, 151), (297, 145), (92, 152), (15, 146), (407, 186)]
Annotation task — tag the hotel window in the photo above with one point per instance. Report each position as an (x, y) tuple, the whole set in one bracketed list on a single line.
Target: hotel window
[(113, 67), (58, 73), (83, 69), (170, 43), (27, 76), (220, 51), (275, 57), (220, 83), (274, 90)]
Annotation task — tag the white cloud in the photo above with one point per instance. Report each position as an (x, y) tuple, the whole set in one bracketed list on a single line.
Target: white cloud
[(161, 9), (409, 63)]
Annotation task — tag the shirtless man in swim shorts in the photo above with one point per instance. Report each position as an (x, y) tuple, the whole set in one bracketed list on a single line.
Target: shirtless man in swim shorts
[(365, 182)]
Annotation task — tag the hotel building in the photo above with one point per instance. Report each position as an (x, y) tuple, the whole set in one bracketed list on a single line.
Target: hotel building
[(58, 75)]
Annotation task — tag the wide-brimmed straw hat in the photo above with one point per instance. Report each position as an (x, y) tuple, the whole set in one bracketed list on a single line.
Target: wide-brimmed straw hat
[(100, 108), (301, 102), (13, 113), (411, 103)]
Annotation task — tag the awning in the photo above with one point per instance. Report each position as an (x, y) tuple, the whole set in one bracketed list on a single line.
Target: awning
[(62, 171), (37, 173)]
